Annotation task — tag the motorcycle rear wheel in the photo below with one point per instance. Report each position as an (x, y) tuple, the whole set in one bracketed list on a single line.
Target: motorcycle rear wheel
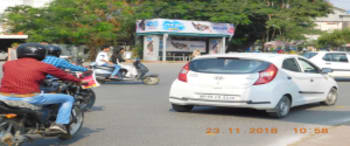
[(75, 125)]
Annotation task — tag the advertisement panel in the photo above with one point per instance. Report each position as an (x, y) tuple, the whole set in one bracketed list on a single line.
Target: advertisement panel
[(185, 46), (151, 47), (215, 45), (184, 26)]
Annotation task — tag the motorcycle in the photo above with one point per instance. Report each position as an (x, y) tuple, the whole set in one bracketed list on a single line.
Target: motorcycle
[(19, 121), (84, 98), (135, 72)]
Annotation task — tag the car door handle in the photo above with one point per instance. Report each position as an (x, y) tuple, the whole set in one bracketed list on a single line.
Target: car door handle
[(312, 80), (328, 63), (289, 78)]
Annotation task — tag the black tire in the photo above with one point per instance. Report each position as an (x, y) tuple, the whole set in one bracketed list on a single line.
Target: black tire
[(151, 80), (182, 108), (282, 108), (75, 125), (332, 97), (88, 99)]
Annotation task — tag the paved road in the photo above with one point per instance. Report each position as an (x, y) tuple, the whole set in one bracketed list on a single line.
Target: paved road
[(136, 114)]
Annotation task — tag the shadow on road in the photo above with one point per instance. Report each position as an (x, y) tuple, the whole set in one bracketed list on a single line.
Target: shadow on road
[(125, 82), (97, 108), (307, 114), (83, 133)]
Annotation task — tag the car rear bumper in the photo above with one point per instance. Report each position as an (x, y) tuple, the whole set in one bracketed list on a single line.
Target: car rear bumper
[(182, 94), (262, 105)]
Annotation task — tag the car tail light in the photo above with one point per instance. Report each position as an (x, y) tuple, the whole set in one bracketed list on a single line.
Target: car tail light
[(183, 73), (267, 75)]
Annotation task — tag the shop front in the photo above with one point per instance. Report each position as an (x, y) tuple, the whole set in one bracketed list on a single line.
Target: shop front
[(166, 39)]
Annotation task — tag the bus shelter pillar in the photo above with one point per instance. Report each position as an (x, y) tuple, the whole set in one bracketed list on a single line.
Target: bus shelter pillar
[(165, 37)]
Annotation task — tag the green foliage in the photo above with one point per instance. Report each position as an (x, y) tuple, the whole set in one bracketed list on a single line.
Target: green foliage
[(264, 20), (98, 22), (335, 39), (90, 22)]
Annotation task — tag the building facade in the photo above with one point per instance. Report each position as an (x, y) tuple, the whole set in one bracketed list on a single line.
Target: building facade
[(339, 19)]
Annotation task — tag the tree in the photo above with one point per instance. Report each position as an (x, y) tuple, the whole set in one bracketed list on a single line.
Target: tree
[(89, 22), (336, 39), (263, 20), (97, 22)]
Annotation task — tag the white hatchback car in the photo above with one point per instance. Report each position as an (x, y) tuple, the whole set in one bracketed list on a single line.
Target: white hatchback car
[(271, 82), (336, 60)]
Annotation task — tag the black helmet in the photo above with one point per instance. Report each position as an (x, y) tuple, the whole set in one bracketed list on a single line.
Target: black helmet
[(32, 50), (53, 50)]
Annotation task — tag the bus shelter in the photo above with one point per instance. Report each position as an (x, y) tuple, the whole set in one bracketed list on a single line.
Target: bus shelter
[(161, 36)]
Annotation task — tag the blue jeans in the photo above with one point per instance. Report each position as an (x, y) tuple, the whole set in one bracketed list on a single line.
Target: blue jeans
[(64, 111), (116, 68)]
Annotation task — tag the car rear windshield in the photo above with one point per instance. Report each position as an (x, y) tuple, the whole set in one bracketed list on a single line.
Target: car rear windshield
[(228, 65), (309, 54)]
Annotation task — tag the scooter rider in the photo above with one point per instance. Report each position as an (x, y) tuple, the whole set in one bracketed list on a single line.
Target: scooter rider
[(102, 59), (53, 54), (117, 56), (21, 79)]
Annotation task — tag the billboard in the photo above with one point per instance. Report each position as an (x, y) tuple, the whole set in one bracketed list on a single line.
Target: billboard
[(215, 46), (185, 46), (184, 26), (151, 47)]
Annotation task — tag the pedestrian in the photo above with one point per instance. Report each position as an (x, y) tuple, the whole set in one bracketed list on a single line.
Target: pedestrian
[(196, 53), (12, 55)]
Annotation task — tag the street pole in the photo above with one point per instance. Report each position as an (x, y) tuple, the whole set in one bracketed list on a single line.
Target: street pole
[(165, 36), (223, 45)]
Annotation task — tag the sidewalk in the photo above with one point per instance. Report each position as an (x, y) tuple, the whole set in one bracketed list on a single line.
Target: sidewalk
[(337, 136)]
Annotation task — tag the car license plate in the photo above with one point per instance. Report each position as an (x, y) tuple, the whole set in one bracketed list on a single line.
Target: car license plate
[(217, 97)]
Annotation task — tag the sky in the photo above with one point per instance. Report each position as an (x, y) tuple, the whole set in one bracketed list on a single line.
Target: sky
[(344, 4)]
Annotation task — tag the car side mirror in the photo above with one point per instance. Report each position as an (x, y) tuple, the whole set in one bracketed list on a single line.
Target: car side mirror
[(326, 70)]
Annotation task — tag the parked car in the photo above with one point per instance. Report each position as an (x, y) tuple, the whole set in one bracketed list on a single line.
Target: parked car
[(338, 61), (3, 55), (270, 82)]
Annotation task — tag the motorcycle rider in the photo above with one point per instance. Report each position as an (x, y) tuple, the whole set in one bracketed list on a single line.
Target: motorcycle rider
[(21, 79), (102, 59), (53, 54)]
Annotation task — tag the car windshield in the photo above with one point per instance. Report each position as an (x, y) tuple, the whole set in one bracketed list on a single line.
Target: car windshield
[(309, 54), (228, 65)]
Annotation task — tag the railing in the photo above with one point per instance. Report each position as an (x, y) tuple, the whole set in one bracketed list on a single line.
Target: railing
[(176, 58)]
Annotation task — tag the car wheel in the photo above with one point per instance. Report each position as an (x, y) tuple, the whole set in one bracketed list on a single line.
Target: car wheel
[(282, 108), (182, 108), (331, 97)]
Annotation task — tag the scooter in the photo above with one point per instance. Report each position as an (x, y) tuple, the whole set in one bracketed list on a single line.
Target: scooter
[(135, 72)]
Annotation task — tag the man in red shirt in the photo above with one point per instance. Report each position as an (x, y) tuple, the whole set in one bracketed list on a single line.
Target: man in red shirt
[(22, 77)]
